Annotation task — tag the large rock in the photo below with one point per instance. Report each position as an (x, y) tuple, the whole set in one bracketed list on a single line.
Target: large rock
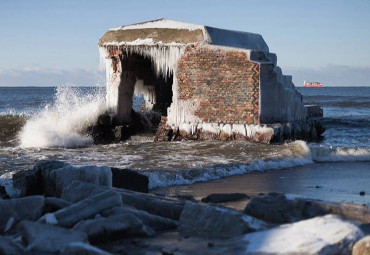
[(222, 198), (13, 211), (83, 249), (9, 247), (157, 223), (36, 181), (113, 228), (321, 235), (161, 206), (69, 216), (78, 191), (53, 204), (129, 179), (362, 247), (41, 238), (217, 222), (3, 194), (62, 177), (274, 208)]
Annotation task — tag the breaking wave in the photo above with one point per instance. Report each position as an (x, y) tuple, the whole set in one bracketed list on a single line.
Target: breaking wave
[(299, 149), (331, 154), (63, 123)]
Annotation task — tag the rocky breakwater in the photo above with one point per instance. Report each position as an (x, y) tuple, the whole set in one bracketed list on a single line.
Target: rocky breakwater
[(80, 213)]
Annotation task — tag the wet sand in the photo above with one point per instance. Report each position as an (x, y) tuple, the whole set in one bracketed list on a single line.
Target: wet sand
[(339, 182)]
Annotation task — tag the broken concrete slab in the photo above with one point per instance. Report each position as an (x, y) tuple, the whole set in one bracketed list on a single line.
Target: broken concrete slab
[(40, 237), (83, 248), (9, 247), (84, 209), (130, 179), (62, 177), (113, 228), (321, 235), (13, 211), (157, 223), (79, 190), (53, 204), (212, 221)]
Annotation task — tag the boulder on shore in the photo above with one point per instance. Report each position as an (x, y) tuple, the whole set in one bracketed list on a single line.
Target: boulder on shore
[(321, 235), (44, 238), (362, 247), (79, 248), (113, 228), (15, 210), (9, 247), (130, 179), (211, 221)]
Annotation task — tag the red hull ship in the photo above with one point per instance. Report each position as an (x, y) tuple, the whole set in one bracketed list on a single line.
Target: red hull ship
[(312, 84)]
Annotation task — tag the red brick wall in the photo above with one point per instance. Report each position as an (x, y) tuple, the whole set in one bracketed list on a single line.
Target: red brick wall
[(225, 83)]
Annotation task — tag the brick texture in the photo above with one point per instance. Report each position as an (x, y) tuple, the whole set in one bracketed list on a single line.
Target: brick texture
[(225, 83)]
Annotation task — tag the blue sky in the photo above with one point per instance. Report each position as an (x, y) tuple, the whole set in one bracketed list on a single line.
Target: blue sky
[(54, 42)]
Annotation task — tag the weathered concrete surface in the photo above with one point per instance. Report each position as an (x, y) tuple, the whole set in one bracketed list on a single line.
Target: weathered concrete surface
[(13, 211), (84, 209), (9, 247), (129, 179), (322, 235), (79, 248), (113, 228), (157, 223), (217, 222), (40, 237), (314, 111)]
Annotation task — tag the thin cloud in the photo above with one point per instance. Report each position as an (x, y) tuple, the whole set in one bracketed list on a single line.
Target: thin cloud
[(331, 75), (38, 76)]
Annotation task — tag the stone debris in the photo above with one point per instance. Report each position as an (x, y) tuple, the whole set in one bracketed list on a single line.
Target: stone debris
[(114, 228), (84, 209), (79, 248), (129, 179), (40, 237), (212, 221), (322, 235), (124, 221), (15, 210)]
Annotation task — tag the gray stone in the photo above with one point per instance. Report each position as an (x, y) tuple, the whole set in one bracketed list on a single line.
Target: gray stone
[(157, 223), (13, 211), (63, 177), (161, 206), (113, 228), (328, 235), (362, 247), (53, 204), (46, 238), (274, 208), (83, 249), (129, 179), (217, 222), (3, 194), (222, 198), (78, 191), (44, 167), (9, 247), (84, 209)]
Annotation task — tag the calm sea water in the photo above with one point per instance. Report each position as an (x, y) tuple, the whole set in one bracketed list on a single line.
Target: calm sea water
[(49, 123)]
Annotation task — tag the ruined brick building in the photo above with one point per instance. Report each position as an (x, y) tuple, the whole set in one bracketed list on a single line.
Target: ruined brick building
[(202, 80)]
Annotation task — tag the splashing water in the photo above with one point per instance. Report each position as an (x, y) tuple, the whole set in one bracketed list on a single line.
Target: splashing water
[(64, 123)]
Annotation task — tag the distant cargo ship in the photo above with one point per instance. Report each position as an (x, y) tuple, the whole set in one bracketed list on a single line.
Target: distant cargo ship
[(312, 84)]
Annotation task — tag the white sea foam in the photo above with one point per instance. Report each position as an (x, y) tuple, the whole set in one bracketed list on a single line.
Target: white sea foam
[(63, 123), (300, 155), (331, 154)]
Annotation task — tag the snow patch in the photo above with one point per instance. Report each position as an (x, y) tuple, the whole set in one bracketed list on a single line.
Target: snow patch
[(328, 233), (161, 23)]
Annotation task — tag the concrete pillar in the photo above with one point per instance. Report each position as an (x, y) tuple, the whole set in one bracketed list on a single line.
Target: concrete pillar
[(125, 93)]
